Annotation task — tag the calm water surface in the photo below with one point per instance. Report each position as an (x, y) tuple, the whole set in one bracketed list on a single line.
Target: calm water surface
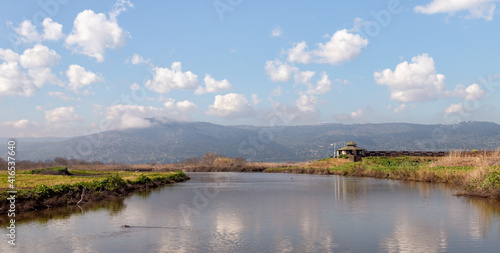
[(244, 212)]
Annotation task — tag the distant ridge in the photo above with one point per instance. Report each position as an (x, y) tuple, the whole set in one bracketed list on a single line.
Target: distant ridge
[(167, 142)]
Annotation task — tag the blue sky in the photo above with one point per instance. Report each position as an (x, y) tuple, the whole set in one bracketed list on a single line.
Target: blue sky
[(70, 68)]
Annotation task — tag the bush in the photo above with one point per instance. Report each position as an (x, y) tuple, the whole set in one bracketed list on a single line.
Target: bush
[(143, 180), (343, 156)]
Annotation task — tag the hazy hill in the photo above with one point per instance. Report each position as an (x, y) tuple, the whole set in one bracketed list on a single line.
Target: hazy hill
[(176, 141)]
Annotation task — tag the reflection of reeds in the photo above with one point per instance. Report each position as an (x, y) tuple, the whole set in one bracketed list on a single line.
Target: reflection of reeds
[(477, 174)]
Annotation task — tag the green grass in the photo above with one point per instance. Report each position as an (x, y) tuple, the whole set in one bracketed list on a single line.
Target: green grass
[(27, 180), (46, 186)]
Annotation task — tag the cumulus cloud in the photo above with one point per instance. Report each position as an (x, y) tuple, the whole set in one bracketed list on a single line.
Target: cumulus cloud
[(212, 85), (52, 30), (472, 92), (136, 116), (231, 105), (8, 55), (343, 46), (38, 57), (306, 103), (138, 59), (299, 53), (277, 32), (477, 9), (80, 78), (35, 71), (93, 33), (28, 32), (166, 79), (322, 86), (62, 115), (279, 71), (13, 81), (454, 108), (412, 82), (38, 61)]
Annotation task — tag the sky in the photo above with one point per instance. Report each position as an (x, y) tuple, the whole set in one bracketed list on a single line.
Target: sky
[(72, 68)]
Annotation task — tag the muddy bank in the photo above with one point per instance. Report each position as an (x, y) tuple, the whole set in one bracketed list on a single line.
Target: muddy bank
[(68, 195)]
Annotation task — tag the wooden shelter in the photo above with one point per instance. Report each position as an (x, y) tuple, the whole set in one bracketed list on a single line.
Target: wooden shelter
[(351, 149)]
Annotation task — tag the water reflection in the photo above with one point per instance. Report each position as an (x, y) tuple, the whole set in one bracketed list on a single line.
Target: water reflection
[(114, 207), (239, 212)]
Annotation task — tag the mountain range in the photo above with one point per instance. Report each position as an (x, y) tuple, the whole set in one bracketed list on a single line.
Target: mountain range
[(167, 142)]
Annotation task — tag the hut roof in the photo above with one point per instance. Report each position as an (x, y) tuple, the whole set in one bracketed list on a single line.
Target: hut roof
[(351, 146), (351, 143)]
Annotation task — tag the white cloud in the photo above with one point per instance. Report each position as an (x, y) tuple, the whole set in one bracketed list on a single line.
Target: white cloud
[(231, 105), (166, 79), (28, 33), (39, 57), (212, 85), (343, 46), (276, 92), (477, 8), (79, 78), (278, 71), (255, 99), (473, 92), (8, 55), (277, 32), (13, 81), (93, 33), (299, 54), (454, 108), (322, 86), (119, 7), (38, 61), (62, 115), (138, 59), (52, 30), (358, 116), (135, 116), (412, 82), (185, 106), (306, 103)]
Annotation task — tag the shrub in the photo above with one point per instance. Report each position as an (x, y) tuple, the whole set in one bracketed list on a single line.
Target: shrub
[(343, 156), (143, 180)]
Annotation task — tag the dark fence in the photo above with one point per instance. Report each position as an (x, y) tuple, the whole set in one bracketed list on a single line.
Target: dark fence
[(406, 153), (431, 153)]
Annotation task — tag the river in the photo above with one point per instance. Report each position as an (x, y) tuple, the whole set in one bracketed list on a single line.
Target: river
[(258, 212)]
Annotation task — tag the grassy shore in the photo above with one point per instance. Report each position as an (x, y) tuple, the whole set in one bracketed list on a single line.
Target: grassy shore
[(476, 175), (36, 190)]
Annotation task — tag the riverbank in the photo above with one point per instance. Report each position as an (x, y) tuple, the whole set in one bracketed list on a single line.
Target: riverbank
[(476, 176), (41, 191)]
